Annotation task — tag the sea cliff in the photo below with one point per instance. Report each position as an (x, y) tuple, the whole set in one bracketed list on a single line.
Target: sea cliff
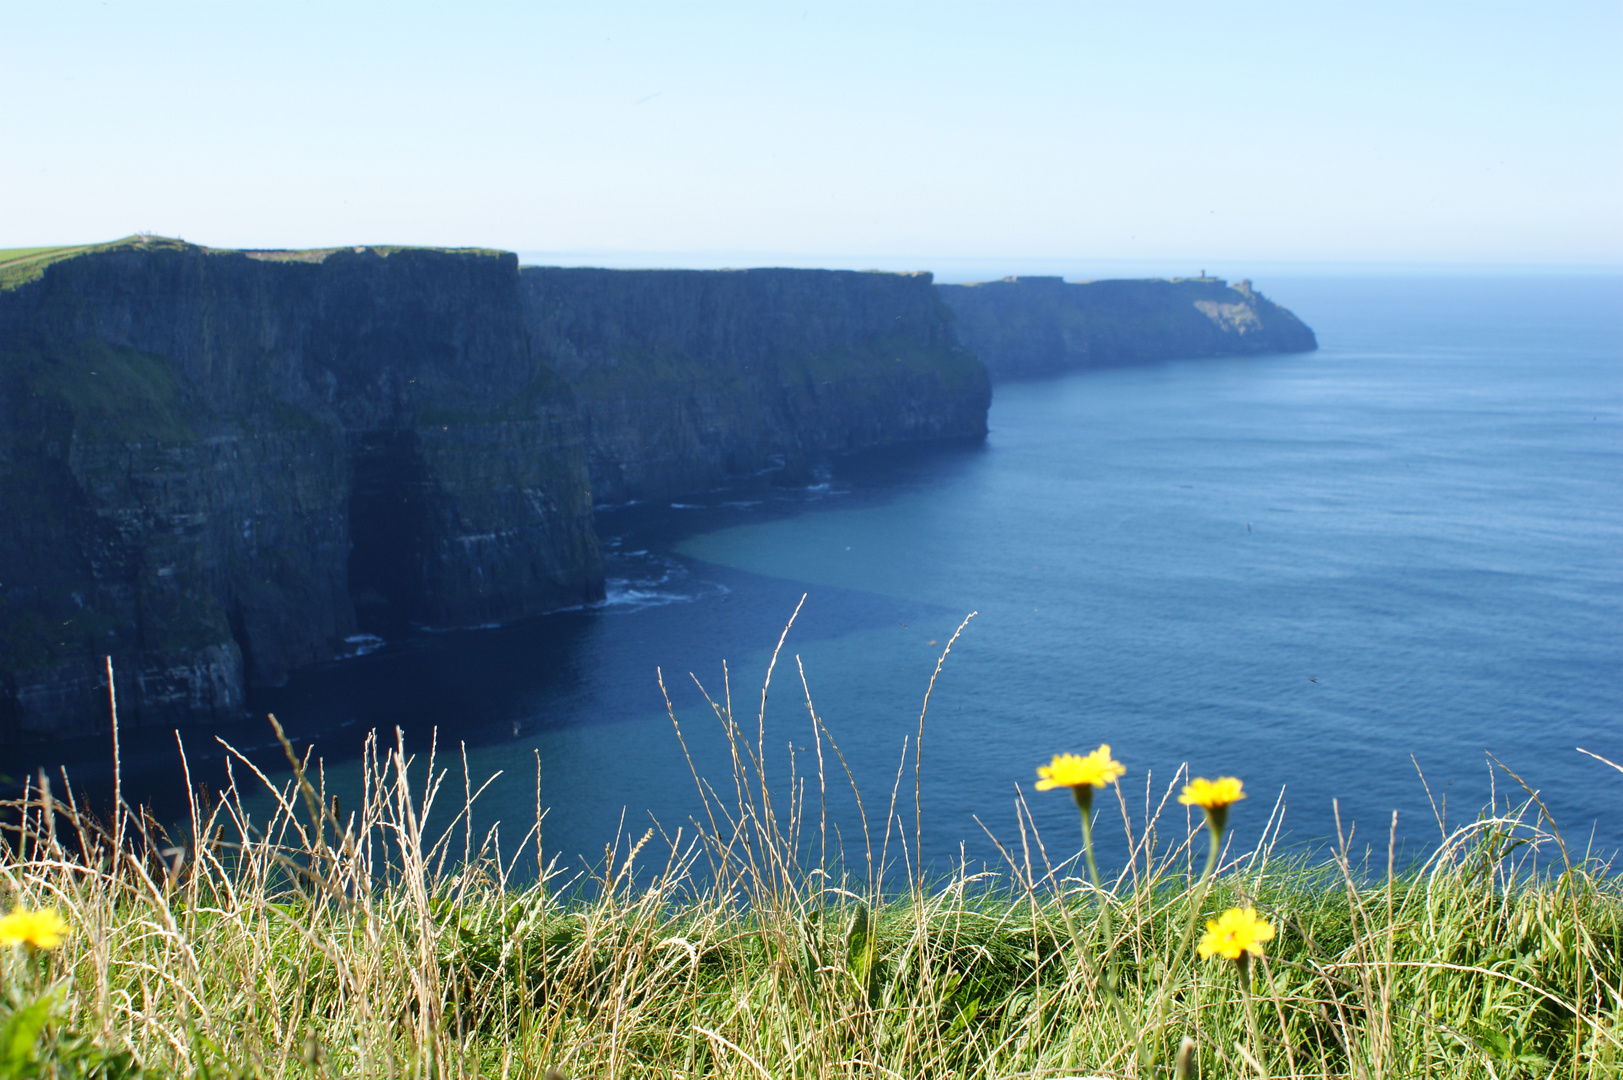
[(215, 466), (1023, 327), (219, 466), (687, 379)]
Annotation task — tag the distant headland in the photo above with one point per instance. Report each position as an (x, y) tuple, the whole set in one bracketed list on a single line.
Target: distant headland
[(1023, 327)]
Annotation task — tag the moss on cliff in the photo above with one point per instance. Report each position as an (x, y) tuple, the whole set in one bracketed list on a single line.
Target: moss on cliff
[(112, 394), (541, 392), (54, 398), (285, 417), (30, 640), (651, 371), (876, 357)]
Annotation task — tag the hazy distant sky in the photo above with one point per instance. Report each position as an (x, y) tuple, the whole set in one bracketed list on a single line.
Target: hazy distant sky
[(1210, 132)]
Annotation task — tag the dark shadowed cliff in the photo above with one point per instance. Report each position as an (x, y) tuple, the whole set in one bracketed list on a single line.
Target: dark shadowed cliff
[(1030, 326), (685, 378), (215, 466)]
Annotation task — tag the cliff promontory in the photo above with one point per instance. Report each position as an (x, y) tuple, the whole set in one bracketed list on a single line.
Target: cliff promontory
[(217, 465), (1031, 326), (686, 378)]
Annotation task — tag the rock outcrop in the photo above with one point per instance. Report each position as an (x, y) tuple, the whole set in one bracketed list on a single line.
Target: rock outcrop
[(215, 466), (1032, 326), (687, 379)]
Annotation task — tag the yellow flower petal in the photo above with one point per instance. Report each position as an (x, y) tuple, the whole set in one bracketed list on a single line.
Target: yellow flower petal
[(1236, 931), (43, 929), (1212, 794), (1074, 770)]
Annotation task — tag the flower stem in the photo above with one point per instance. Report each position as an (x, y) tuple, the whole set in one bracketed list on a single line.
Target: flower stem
[(1111, 986), (1198, 897), (1251, 1021), (1197, 900)]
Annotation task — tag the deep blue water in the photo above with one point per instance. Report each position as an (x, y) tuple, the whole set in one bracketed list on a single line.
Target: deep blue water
[(1303, 570)]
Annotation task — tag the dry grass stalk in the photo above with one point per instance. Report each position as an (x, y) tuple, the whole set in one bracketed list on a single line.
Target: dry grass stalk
[(309, 940)]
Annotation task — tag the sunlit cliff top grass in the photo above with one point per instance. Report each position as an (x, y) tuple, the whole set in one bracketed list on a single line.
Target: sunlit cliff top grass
[(18, 266)]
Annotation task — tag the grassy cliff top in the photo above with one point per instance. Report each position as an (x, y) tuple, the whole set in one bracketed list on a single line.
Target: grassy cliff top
[(18, 266)]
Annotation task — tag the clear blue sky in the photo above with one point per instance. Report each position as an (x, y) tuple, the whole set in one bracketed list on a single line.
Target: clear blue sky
[(1217, 133)]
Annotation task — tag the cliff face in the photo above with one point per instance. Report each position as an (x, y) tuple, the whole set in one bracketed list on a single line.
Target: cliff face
[(215, 466), (1032, 326), (686, 379)]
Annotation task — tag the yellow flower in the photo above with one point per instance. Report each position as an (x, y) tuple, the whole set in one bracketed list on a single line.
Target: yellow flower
[(1235, 932), (37, 929), (1212, 794), (1075, 771)]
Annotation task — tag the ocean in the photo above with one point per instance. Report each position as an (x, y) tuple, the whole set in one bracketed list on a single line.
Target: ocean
[(1347, 577)]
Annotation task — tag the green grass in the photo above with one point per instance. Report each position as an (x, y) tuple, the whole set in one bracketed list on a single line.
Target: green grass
[(385, 939), (11, 255), (18, 266)]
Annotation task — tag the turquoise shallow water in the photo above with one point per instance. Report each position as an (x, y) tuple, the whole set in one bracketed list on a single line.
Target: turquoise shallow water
[(1305, 570)]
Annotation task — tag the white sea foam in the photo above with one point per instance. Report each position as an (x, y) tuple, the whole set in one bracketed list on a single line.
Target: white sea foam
[(361, 644), (639, 581), (622, 595)]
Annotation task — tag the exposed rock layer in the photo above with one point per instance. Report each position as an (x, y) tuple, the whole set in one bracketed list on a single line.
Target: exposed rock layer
[(215, 466), (686, 379), (1033, 326)]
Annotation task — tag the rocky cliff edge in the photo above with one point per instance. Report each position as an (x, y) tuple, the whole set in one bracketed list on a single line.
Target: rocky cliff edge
[(216, 466)]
